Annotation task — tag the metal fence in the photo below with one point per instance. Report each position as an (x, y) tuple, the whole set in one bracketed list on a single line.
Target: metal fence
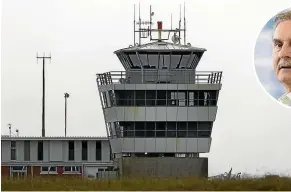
[(159, 77)]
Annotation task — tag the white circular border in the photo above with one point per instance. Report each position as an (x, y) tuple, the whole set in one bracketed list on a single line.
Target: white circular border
[(254, 66)]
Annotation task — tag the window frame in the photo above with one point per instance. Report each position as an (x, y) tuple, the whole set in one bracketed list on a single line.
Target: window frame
[(49, 171), (73, 170)]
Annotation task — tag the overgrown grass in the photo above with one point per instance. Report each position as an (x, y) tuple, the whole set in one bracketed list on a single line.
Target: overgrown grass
[(165, 184)]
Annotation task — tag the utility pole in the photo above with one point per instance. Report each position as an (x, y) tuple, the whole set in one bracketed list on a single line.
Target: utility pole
[(43, 90), (66, 97)]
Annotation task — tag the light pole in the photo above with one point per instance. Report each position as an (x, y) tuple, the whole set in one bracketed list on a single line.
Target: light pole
[(9, 125), (66, 96)]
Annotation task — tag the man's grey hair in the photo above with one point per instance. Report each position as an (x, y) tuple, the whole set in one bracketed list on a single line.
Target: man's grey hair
[(282, 16)]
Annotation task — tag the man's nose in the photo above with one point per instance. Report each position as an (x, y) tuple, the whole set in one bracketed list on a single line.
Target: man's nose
[(285, 51)]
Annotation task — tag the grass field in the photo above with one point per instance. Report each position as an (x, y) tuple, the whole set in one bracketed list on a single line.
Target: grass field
[(170, 184)]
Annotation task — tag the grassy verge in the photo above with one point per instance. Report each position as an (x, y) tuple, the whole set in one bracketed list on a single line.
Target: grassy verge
[(169, 184)]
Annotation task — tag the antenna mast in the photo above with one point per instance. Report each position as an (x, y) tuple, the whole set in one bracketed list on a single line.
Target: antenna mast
[(184, 24), (180, 26), (134, 25), (139, 24)]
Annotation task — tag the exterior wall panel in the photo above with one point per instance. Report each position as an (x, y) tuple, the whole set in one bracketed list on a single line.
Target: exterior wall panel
[(33, 150), (160, 114), (166, 145), (5, 151), (78, 151), (150, 114), (91, 151), (65, 151), (150, 145), (139, 144), (161, 145), (128, 145), (105, 151), (20, 151), (171, 145), (56, 150), (46, 151), (181, 145), (139, 113)]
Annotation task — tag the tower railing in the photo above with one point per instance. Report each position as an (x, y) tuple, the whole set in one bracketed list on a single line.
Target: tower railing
[(159, 77)]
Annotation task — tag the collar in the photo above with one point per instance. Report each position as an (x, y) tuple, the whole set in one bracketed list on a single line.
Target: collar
[(286, 99)]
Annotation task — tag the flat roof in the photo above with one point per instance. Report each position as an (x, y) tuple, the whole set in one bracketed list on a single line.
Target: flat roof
[(49, 138)]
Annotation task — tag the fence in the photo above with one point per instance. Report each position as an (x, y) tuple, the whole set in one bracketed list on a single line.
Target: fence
[(159, 76)]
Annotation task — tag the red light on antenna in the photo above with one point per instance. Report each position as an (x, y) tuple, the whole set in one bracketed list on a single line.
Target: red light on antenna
[(160, 25)]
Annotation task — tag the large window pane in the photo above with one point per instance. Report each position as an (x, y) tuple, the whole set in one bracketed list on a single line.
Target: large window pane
[(144, 59), (175, 60), (153, 60), (134, 60)]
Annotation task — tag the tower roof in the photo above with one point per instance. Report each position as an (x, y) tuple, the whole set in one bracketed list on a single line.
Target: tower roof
[(161, 47)]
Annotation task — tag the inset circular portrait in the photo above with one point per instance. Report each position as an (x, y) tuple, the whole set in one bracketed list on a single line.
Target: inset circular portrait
[(272, 57)]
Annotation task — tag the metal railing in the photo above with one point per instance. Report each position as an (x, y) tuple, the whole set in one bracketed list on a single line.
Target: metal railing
[(159, 77)]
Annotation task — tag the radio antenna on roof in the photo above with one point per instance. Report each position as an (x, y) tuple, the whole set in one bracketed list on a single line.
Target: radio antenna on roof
[(145, 29)]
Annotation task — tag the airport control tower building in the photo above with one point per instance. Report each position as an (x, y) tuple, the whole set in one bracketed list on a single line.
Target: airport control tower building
[(159, 112)]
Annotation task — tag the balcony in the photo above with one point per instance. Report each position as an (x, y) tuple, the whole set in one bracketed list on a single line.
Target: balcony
[(159, 76)]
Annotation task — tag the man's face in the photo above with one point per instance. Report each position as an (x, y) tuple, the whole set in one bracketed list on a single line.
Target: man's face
[(282, 53)]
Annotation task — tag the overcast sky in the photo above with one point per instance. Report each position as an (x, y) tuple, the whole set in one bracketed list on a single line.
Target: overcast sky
[(251, 132)]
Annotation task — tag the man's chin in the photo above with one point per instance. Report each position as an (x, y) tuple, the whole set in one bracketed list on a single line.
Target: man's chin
[(284, 76)]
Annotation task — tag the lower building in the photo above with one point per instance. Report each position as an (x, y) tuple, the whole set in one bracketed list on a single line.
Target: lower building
[(42, 156)]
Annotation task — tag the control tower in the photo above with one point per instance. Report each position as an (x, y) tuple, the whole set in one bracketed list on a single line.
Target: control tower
[(159, 112)]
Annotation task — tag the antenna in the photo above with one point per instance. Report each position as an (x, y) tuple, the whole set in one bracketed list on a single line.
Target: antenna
[(180, 26), (43, 89), (134, 24), (139, 23), (150, 27), (145, 29), (184, 24), (171, 21)]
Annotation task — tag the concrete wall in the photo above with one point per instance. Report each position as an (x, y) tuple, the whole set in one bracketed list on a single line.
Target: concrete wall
[(163, 167), (54, 151)]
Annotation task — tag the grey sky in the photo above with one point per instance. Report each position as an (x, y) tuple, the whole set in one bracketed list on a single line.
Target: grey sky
[(251, 132)]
